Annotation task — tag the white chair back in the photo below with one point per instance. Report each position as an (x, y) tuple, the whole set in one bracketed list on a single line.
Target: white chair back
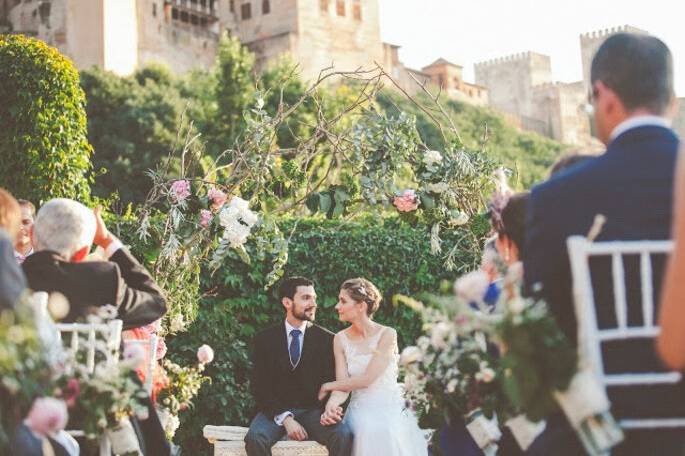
[(150, 348), (591, 337), (92, 345)]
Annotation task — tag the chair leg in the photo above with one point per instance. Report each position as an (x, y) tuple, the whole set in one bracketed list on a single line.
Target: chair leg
[(105, 446)]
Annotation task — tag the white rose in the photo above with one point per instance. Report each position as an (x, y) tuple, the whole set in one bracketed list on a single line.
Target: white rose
[(432, 157), (410, 354), (239, 203), (439, 333), (472, 286), (516, 305), (452, 385), (485, 375), (458, 218)]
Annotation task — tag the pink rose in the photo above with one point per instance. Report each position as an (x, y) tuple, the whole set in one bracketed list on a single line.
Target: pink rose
[(205, 217), (407, 201), (180, 190), (205, 354), (72, 392), (217, 197), (47, 415), (161, 348)]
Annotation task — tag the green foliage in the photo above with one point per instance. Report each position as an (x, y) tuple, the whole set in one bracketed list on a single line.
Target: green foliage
[(133, 124), (234, 87), (43, 141), (539, 359), (389, 252), (527, 154)]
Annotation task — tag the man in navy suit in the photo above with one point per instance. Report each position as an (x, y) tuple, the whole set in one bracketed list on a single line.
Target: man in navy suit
[(631, 185)]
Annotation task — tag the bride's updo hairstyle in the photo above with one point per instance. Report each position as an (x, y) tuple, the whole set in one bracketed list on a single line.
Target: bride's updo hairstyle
[(362, 290)]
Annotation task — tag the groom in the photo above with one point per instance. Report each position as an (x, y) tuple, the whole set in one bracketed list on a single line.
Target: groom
[(291, 361)]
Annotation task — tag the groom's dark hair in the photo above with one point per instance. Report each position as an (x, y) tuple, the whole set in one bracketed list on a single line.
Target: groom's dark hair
[(639, 68), (288, 287)]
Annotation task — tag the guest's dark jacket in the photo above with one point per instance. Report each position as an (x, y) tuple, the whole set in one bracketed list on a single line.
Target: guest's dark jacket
[(276, 386), (12, 281), (632, 186), (121, 282)]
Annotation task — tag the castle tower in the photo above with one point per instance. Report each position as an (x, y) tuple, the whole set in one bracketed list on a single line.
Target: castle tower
[(590, 42), (316, 33), (510, 80)]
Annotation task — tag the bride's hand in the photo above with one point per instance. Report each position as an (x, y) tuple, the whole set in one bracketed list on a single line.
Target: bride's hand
[(323, 391), (332, 415)]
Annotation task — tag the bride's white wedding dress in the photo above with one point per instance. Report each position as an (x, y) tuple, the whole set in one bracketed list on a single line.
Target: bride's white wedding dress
[(381, 423)]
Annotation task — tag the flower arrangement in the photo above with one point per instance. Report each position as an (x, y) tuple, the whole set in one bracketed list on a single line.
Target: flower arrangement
[(182, 385), (543, 372), (25, 373)]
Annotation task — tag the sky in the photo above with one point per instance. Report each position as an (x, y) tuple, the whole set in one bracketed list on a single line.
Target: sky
[(466, 32)]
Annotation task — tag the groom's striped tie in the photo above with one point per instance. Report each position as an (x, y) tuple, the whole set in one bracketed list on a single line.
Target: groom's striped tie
[(295, 347)]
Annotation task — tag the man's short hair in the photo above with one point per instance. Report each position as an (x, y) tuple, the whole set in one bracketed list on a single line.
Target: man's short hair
[(10, 215), (639, 68), (64, 226), (288, 287), (29, 204)]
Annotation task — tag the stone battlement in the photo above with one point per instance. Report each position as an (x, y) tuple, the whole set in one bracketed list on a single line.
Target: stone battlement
[(520, 57), (605, 33)]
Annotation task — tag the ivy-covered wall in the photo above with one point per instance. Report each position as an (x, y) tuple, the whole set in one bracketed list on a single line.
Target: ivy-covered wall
[(389, 252)]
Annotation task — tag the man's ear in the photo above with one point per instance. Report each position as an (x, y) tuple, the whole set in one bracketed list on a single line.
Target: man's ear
[(80, 255), (287, 303)]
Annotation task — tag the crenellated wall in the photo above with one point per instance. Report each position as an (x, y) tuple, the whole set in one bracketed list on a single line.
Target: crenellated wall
[(590, 42)]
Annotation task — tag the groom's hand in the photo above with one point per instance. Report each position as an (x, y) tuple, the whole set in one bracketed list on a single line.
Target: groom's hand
[(294, 429)]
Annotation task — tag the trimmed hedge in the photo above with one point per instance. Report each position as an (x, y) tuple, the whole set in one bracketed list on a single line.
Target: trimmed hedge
[(43, 143), (392, 254)]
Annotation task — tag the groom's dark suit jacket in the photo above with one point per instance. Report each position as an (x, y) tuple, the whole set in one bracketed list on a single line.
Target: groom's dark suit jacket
[(121, 282), (632, 186), (276, 386)]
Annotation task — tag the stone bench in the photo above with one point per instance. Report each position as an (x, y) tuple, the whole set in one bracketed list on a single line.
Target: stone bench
[(229, 441)]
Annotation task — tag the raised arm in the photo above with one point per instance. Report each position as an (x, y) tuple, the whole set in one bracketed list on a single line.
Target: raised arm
[(380, 361)]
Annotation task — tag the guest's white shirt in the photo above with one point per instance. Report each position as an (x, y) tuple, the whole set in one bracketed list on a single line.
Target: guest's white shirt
[(639, 121), (278, 419)]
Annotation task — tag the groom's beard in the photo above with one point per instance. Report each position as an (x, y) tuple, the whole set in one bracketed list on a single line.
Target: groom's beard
[(305, 314)]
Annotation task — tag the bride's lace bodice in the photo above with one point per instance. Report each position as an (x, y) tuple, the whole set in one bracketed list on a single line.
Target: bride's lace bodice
[(385, 388)]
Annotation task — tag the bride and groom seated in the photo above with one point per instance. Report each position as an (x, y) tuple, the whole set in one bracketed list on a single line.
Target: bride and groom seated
[(304, 374)]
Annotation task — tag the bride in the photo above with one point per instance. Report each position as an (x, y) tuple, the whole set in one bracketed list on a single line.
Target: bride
[(366, 364)]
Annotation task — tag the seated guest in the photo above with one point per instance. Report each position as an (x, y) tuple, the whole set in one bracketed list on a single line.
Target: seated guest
[(568, 161), (12, 282), (23, 246), (63, 233)]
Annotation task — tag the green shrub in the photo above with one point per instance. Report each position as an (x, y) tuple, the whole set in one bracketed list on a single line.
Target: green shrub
[(392, 254), (43, 143)]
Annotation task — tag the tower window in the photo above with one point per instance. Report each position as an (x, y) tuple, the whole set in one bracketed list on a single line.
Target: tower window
[(340, 7), (154, 10), (323, 5), (266, 7), (184, 16), (194, 19), (231, 6), (174, 14), (357, 10), (245, 11)]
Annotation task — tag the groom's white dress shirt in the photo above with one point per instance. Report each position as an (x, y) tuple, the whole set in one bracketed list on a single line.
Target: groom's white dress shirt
[(639, 121), (278, 419)]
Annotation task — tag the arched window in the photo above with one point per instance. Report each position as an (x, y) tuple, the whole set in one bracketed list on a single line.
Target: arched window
[(266, 7), (340, 7)]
